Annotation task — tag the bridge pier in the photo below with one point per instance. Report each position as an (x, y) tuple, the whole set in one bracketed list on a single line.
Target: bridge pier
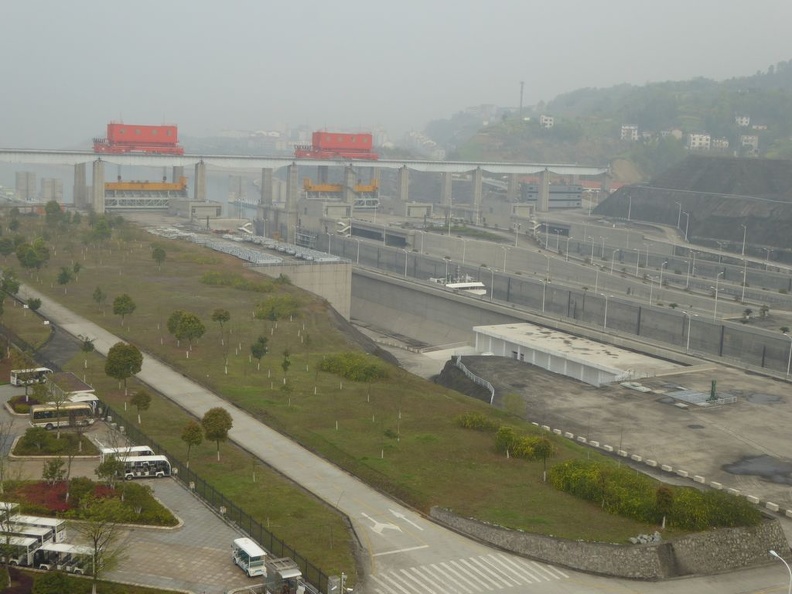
[(513, 188), (477, 176), (98, 189), (200, 182), (80, 188), (543, 200), (292, 194), (404, 184), (349, 185)]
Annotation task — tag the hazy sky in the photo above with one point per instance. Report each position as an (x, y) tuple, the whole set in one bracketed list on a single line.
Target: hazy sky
[(69, 67)]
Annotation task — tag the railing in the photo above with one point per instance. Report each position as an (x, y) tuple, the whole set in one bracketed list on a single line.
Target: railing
[(473, 377)]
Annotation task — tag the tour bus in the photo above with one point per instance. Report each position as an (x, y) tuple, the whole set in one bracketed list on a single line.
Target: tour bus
[(20, 549), (64, 557), (248, 556), (125, 452), (67, 414), (28, 377), (145, 467), (56, 525)]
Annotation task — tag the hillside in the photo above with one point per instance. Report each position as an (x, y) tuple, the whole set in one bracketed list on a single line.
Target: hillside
[(587, 126), (720, 194)]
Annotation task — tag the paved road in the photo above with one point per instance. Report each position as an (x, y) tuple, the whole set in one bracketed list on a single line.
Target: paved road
[(406, 552)]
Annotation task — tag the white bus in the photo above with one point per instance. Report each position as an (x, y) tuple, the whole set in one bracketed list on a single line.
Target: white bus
[(39, 533), (70, 558), (56, 525), (28, 377), (19, 549), (125, 452), (67, 414), (248, 556), (145, 467)]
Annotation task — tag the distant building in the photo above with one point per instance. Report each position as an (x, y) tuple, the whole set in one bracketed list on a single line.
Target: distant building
[(720, 144), (759, 127), (699, 142), (742, 120), (546, 121), (750, 142), (629, 133)]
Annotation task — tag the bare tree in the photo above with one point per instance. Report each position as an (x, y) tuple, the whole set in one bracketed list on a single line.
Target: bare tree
[(102, 530)]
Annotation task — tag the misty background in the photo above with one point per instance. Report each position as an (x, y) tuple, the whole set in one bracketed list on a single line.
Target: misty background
[(69, 68)]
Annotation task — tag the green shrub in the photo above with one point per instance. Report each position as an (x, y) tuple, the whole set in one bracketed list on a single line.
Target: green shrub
[(235, 281), (476, 421), (356, 367), (623, 491), (278, 308)]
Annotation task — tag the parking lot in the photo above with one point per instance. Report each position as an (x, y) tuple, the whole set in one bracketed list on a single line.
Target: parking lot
[(193, 557)]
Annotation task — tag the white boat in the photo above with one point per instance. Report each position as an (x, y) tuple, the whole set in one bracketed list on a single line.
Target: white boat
[(463, 283)]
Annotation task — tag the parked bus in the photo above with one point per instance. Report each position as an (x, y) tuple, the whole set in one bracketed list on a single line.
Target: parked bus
[(146, 467), (19, 549), (67, 414), (248, 556), (57, 525), (40, 534), (70, 558), (125, 452), (28, 377)]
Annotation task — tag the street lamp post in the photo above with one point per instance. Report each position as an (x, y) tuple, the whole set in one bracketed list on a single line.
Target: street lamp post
[(492, 282), (357, 259), (602, 249), (715, 311), (780, 558), (745, 232), (637, 260), (690, 323), (447, 260), (405, 261), (745, 272), (629, 208), (605, 318), (558, 236), (505, 251), (544, 292), (423, 234), (651, 289), (789, 359), (516, 233), (662, 266), (613, 260), (647, 254), (596, 280), (330, 243), (592, 248), (464, 249), (767, 258), (567, 248), (679, 216), (687, 224)]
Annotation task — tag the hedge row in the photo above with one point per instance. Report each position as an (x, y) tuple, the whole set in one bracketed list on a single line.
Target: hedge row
[(477, 421), (527, 447), (355, 367), (623, 491)]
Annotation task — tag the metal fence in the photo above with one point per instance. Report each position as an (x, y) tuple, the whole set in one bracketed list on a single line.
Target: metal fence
[(473, 377)]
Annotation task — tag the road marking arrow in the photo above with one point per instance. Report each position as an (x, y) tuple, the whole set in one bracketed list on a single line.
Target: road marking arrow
[(378, 527), (401, 516)]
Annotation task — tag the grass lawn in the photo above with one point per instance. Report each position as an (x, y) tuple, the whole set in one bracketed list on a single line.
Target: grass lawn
[(397, 434)]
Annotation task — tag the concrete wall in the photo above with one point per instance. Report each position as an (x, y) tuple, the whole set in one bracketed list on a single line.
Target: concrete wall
[(331, 280), (702, 554)]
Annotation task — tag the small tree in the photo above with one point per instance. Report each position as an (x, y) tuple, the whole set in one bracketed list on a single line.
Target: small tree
[(664, 500), (53, 471), (101, 530), (33, 303), (286, 363), (158, 255), (141, 400), (123, 306), (221, 316), (99, 297), (123, 361), (192, 435), (258, 349), (185, 325), (216, 424), (76, 267), (64, 278), (110, 471), (543, 449), (86, 346)]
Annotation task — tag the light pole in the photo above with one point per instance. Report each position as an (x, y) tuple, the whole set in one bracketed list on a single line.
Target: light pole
[(464, 249), (651, 289), (405, 261), (602, 250), (629, 209), (447, 260), (745, 232), (596, 280), (605, 319), (662, 266), (789, 359), (567, 248), (505, 251), (492, 282), (330, 243), (544, 292), (558, 236), (613, 260), (357, 259), (687, 224), (647, 254), (767, 258), (679, 216), (637, 260), (780, 558), (690, 323), (715, 311), (745, 272), (547, 270), (423, 234), (516, 233)]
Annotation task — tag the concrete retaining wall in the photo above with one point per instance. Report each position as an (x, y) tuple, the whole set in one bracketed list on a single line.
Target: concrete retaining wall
[(702, 554)]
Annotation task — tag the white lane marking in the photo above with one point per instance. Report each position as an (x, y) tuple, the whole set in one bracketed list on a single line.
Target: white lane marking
[(394, 552), (378, 527), (401, 516)]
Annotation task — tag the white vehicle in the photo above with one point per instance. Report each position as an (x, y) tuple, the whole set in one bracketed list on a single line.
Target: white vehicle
[(145, 467), (20, 549), (40, 534), (70, 558), (248, 556), (56, 525), (67, 414), (125, 452), (28, 377)]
